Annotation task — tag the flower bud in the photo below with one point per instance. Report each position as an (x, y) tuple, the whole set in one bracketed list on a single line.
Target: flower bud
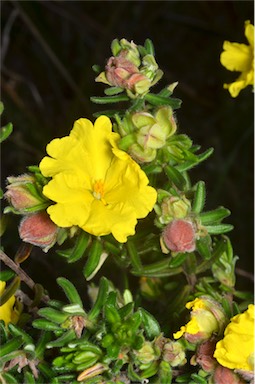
[(131, 51), (207, 318), (174, 353), (172, 207), (223, 375), (140, 154), (204, 356), (38, 229), (118, 70), (223, 268), (180, 236), (146, 354), (138, 84), (19, 194)]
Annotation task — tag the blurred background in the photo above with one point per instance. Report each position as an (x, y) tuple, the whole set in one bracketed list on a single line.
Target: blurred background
[(48, 49)]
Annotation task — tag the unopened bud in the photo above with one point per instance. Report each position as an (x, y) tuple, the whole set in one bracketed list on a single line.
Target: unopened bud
[(146, 354), (174, 353), (180, 236), (118, 70), (207, 318), (38, 229), (204, 355), (19, 195), (223, 375), (142, 155)]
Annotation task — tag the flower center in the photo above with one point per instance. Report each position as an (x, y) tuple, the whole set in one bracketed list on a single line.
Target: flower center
[(98, 190)]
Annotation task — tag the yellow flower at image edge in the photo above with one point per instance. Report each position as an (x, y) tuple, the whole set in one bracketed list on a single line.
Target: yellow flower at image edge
[(236, 349), (95, 185), (7, 311), (240, 58)]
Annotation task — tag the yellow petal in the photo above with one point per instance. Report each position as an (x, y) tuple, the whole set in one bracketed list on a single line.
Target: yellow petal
[(246, 78), (6, 310), (249, 33), (236, 57)]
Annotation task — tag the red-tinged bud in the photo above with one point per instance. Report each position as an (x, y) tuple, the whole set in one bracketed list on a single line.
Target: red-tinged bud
[(19, 194), (180, 236), (223, 375), (118, 70), (38, 229), (204, 356)]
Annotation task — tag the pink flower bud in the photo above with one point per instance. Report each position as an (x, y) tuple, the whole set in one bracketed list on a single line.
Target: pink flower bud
[(38, 229), (18, 194), (119, 69), (179, 236), (204, 355), (223, 375)]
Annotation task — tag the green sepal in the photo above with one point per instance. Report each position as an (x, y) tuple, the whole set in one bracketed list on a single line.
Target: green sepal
[(53, 315), (175, 177), (94, 259), (165, 373), (214, 216), (203, 245), (11, 346), (10, 290), (199, 197), (5, 132), (70, 291), (80, 247), (219, 229), (100, 300), (132, 374), (16, 331), (109, 99), (45, 325), (151, 326), (159, 100), (113, 91), (62, 340)]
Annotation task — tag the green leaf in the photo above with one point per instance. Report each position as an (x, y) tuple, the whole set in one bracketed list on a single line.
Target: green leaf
[(199, 197), (165, 373), (134, 257), (177, 260), (151, 370), (63, 339), (113, 91), (8, 378), (16, 331), (111, 314), (199, 158), (151, 326), (6, 275), (94, 257), (214, 216), (11, 346), (203, 246), (29, 378), (5, 132), (175, 177), (53, 315), (45, 325), (100, 300), (159, 100), (41, 345), (1, 107), (148, 45), (80, 247), (109, 99), (219, 229), (70, 291), (46, 370)]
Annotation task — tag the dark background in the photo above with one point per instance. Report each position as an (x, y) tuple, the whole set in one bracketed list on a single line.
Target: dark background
[(48, 49)]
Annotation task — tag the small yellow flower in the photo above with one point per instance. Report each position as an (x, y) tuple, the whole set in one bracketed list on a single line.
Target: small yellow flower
[(7, 311), (95, 185), (236, 349), (240, 58)]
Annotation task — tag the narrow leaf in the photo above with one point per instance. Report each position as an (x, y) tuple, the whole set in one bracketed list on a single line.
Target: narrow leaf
[(175, 177), (213, 216), (80, 247), (109, 99), (159, 100), (70, 291), (199, 198), (219, 229), (95, 253), (100, 300), (5, 132)]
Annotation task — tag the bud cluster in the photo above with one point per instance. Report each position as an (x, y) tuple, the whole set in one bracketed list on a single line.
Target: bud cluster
[(130, 68)]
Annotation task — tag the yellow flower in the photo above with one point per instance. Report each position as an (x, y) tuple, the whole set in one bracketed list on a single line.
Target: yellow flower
[(240, 57), (207, 317), (95, 185), (7, 311), (236, 349)]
